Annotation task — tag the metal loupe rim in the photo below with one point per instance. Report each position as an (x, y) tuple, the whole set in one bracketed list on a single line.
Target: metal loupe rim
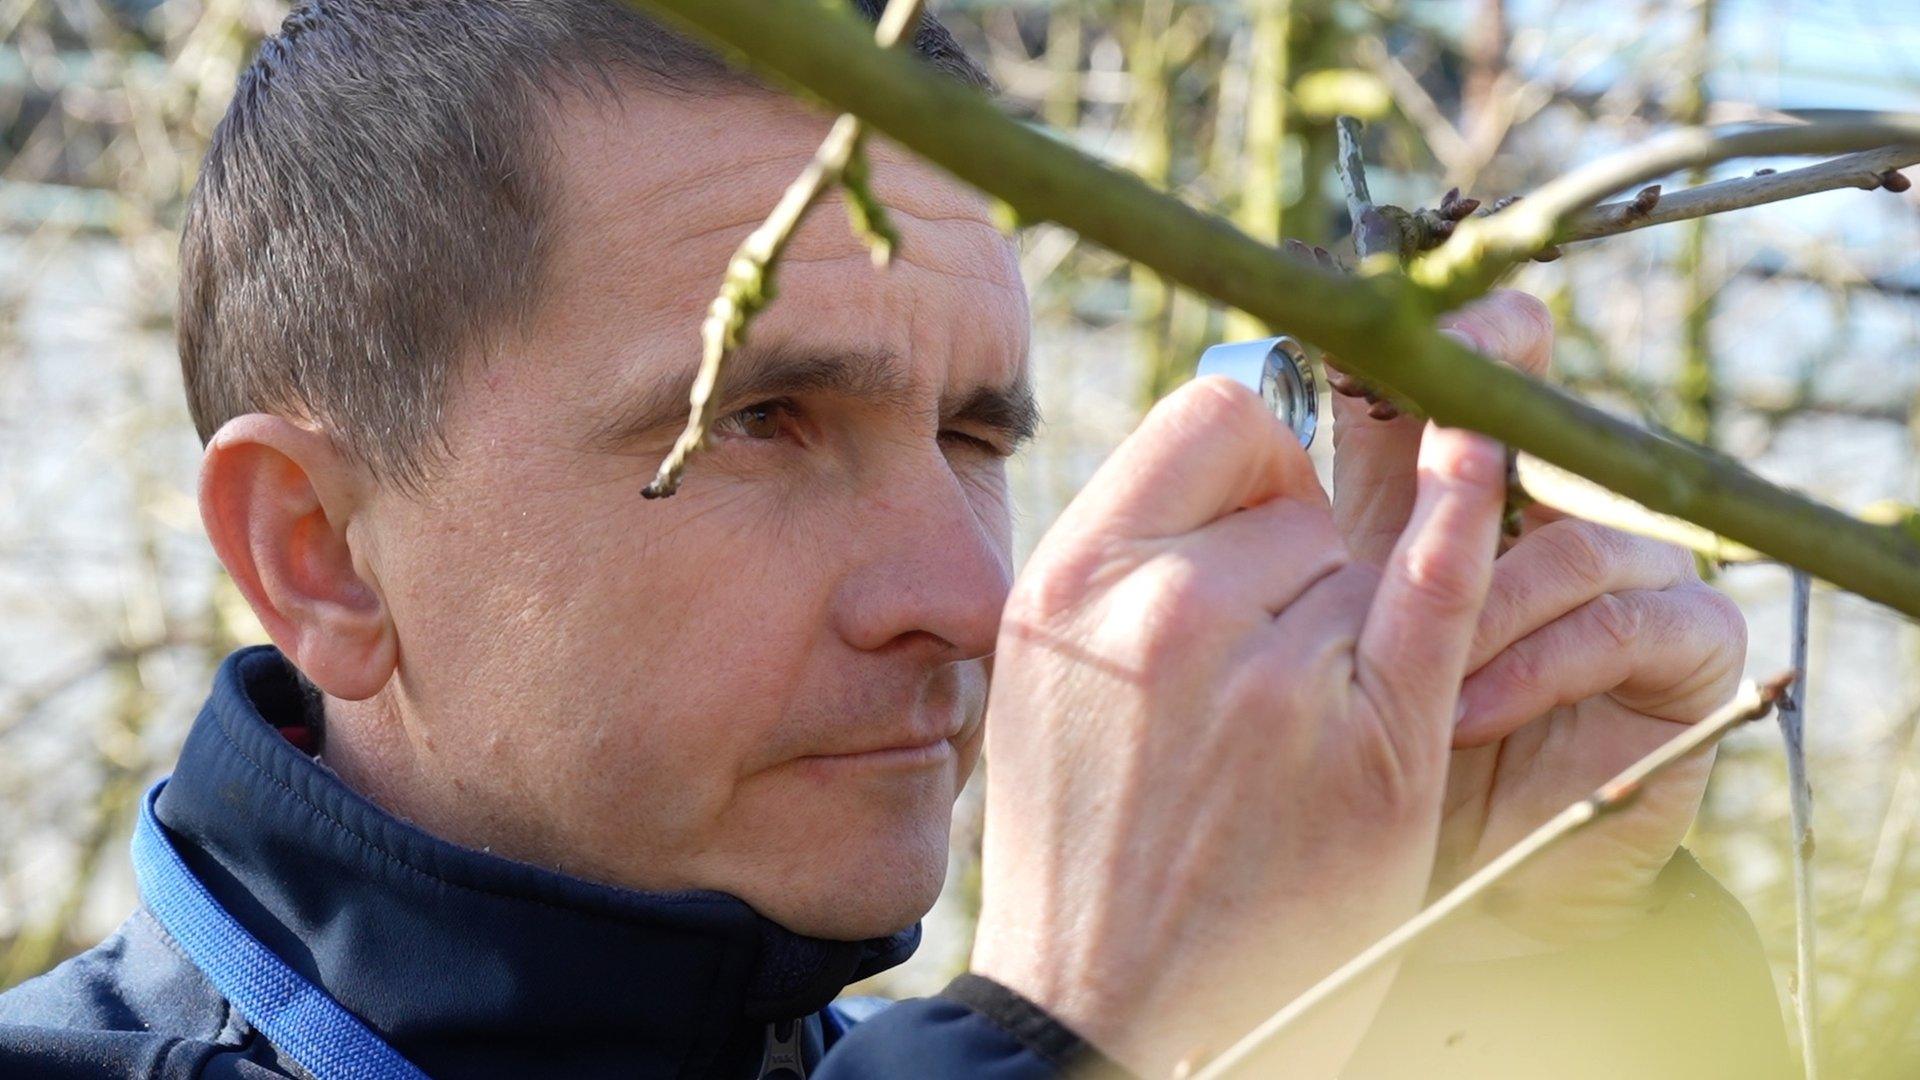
[(1277, 369), (1287, 386)]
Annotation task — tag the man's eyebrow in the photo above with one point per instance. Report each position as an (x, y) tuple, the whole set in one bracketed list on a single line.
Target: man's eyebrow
[(756, 373), (1010, 410)]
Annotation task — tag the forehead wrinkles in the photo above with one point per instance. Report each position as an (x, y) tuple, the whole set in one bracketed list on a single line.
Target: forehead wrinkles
[(700, 169), (716, 199), (953, 241), (657, 192)]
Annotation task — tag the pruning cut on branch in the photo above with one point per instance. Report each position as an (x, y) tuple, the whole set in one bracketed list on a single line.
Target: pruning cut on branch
[(1380, 325)]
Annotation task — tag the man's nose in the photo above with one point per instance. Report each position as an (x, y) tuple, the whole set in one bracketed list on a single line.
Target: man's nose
[(927, 574)]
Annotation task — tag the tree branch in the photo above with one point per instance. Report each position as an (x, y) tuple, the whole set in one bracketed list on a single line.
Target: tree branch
[(1866, 170), (1483, 249), (749, 284), (1752, 702), (1381, 326), (1569, 493), (1368, 237)]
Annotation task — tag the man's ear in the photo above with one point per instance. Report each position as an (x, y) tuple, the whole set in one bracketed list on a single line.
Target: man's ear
[(277, 500)]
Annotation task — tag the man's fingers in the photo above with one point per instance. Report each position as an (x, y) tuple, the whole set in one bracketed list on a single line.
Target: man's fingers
[(1510, 326), (1209, 448), (1373, 476), (1271, 552), (1673, 654), (1373, 460), (1413, 647), (1561, 565)]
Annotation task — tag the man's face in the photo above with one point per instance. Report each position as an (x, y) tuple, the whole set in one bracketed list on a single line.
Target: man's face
[(772, 683)]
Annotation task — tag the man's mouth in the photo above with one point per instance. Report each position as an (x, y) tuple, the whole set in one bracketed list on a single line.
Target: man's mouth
[(902, 755), (908, 729)]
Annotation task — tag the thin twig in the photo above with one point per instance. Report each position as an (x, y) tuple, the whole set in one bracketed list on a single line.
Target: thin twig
[(1793, 708), (1374, 233), (1890, 848), (1368, 236), (1482, 250), (1752, 702), (749, 283), (1866, 170)]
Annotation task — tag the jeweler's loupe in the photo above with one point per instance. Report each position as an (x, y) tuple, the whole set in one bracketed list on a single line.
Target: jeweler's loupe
[(1277, 369)]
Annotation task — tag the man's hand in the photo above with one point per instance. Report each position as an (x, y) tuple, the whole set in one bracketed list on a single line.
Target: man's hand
[(1218, 742), (1594, 647)]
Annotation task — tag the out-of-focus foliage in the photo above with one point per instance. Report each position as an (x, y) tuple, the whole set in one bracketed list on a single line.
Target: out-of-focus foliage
[(1786, 336)]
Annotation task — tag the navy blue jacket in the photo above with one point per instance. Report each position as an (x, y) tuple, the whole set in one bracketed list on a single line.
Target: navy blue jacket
[(475, 966)]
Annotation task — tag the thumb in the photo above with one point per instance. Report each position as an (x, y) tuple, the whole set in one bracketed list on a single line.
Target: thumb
[(1374, 460), (1206, 450)]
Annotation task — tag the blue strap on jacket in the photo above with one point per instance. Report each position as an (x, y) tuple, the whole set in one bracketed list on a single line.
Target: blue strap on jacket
[(301, 1019)]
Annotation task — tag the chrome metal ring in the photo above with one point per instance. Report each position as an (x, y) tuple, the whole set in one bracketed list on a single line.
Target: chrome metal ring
[(1278, 370)]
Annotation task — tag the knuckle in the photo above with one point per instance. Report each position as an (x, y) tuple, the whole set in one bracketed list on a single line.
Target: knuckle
[(1685, 566), (1524, 670), (1523, 329), (1397, 778), (1263, 695), (1619, 617), (1040, 598), (1530, 313), (1173, 601), (1056, 584), (1712, 626), (1675, 560), (1723, 618), (1506, 324), (1584, 551), (1448, 586), (1499, 616), (1736, 620)]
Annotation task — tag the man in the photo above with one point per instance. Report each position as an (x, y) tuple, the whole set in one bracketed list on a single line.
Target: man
[(541, 778)]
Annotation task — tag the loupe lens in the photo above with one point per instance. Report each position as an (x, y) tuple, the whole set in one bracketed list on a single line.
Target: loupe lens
[(1277, 369)]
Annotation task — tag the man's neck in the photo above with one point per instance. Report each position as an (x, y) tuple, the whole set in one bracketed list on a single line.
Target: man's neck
[(378, 750)]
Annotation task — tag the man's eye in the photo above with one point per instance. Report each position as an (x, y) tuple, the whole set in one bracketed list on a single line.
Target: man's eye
[(972, 443), (763, 421)]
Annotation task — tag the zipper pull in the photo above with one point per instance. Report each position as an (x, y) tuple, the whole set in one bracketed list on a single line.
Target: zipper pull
[(783, 1059)]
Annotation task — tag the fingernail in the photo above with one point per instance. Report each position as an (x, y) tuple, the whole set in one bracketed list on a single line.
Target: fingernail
[(1460, 713)]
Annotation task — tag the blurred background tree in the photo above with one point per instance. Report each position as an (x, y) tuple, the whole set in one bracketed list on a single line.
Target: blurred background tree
[(1786, 336)]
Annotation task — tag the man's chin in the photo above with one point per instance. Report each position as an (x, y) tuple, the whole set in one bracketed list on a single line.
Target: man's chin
[(858, 890)]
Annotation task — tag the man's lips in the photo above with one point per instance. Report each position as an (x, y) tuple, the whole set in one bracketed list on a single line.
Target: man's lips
[(884, 724), (920, 745), (903, 755)]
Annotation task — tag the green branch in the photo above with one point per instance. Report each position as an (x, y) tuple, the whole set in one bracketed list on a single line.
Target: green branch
[(749, 282), (1381, 326)]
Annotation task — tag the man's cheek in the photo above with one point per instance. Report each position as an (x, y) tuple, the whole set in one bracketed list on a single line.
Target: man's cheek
[(992, 504)]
